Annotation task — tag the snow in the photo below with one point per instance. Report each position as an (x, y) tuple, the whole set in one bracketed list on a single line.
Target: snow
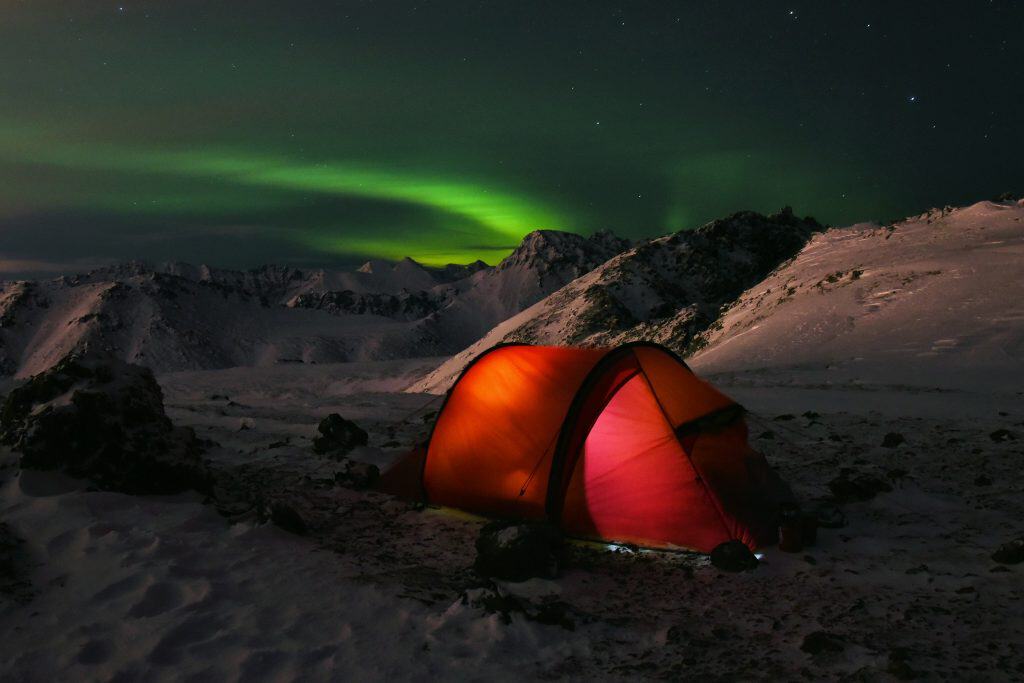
[(163, 588), (935, 301)]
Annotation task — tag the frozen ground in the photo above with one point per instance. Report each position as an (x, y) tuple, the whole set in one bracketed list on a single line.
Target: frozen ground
[(148, 588)]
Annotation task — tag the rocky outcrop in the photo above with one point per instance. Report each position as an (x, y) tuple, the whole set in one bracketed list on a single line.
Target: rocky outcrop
[(100, 418), (516, 552), (338, 436)]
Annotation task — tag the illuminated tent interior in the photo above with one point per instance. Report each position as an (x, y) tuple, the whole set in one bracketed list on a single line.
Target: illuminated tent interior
[(623, 444)]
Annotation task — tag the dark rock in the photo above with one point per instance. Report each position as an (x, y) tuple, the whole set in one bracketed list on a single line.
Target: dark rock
[(1010, 553), (517, 551), (898, 666), (14, 569), (892, 440), (850, 487), (769, 435), (811, 415), (982, 480), (784, 417), (733, 556), (544, 611), (288, 518), (1001, 435), (338, 436), (100, 418), (822, 641), (357, 475)]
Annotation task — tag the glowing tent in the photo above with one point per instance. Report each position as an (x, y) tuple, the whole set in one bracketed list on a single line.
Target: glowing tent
[(623, 444)]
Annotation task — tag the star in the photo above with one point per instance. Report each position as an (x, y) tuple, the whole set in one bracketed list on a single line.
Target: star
[(912, 98)]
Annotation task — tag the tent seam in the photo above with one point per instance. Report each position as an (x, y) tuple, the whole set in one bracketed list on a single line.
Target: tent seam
[(715, 503)]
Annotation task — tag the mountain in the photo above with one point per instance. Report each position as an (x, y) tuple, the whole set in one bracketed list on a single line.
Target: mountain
[(545, 261), (935, 299), (667, 289), (178, 316)]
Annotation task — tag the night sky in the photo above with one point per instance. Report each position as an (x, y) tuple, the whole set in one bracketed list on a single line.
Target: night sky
[(316, 133)]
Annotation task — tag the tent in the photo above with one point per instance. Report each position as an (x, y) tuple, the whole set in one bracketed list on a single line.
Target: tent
[(623, 444)]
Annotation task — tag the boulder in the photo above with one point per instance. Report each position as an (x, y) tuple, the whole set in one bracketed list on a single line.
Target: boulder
[(357, 475), (517, 551), (822, 641), (829, 515), (1010, 553), (851, 487), (100, 418), (892, 440), (288, 518), (338, 436), (733, 556)]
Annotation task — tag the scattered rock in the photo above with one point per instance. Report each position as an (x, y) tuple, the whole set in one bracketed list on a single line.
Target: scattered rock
[(14, 583), (850, 487), (1010, 553), (822, 641), (338, 436), (288, 518), (100, 418), (1001, 435), (733, 556), (543, 610), (829, 515), (517, 551), (898, 665), (892, 440), (357, 475)]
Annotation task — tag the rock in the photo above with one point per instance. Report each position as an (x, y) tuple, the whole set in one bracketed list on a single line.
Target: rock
[(100, 418), (892, 440), (246, 423), (338, 436), (14, 568), (733, 556), (982, 480), (1001, 435), (517, 551), (898, 666), (288, 518), (850, 487), (822, 641), (1010, 553), (829, 515), (357, 475)]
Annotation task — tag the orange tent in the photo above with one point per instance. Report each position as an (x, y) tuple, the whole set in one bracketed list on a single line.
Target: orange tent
[(623, 444)]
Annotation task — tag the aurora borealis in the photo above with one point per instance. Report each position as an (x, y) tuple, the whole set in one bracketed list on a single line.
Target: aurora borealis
[(316, 133)]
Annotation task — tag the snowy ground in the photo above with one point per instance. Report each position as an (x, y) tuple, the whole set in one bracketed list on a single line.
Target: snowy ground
[(163, 588)]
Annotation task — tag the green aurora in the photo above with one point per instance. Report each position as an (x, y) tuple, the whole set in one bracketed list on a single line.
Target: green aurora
[(316, 134)]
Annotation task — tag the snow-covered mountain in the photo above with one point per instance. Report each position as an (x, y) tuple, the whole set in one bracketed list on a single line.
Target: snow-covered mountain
[(177, 316), (545, 261), (667, 289), (937, 299)]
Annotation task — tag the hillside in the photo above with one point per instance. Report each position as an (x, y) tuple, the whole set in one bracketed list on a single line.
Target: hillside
[(937, 299), (667, 289), (177, 316)]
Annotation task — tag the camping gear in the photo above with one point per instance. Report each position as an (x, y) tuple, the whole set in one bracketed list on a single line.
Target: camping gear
[(622, 444), (809, 529), (790, 529)]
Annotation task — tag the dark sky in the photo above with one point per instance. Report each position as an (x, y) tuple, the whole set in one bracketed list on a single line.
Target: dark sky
[(239, 133)]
